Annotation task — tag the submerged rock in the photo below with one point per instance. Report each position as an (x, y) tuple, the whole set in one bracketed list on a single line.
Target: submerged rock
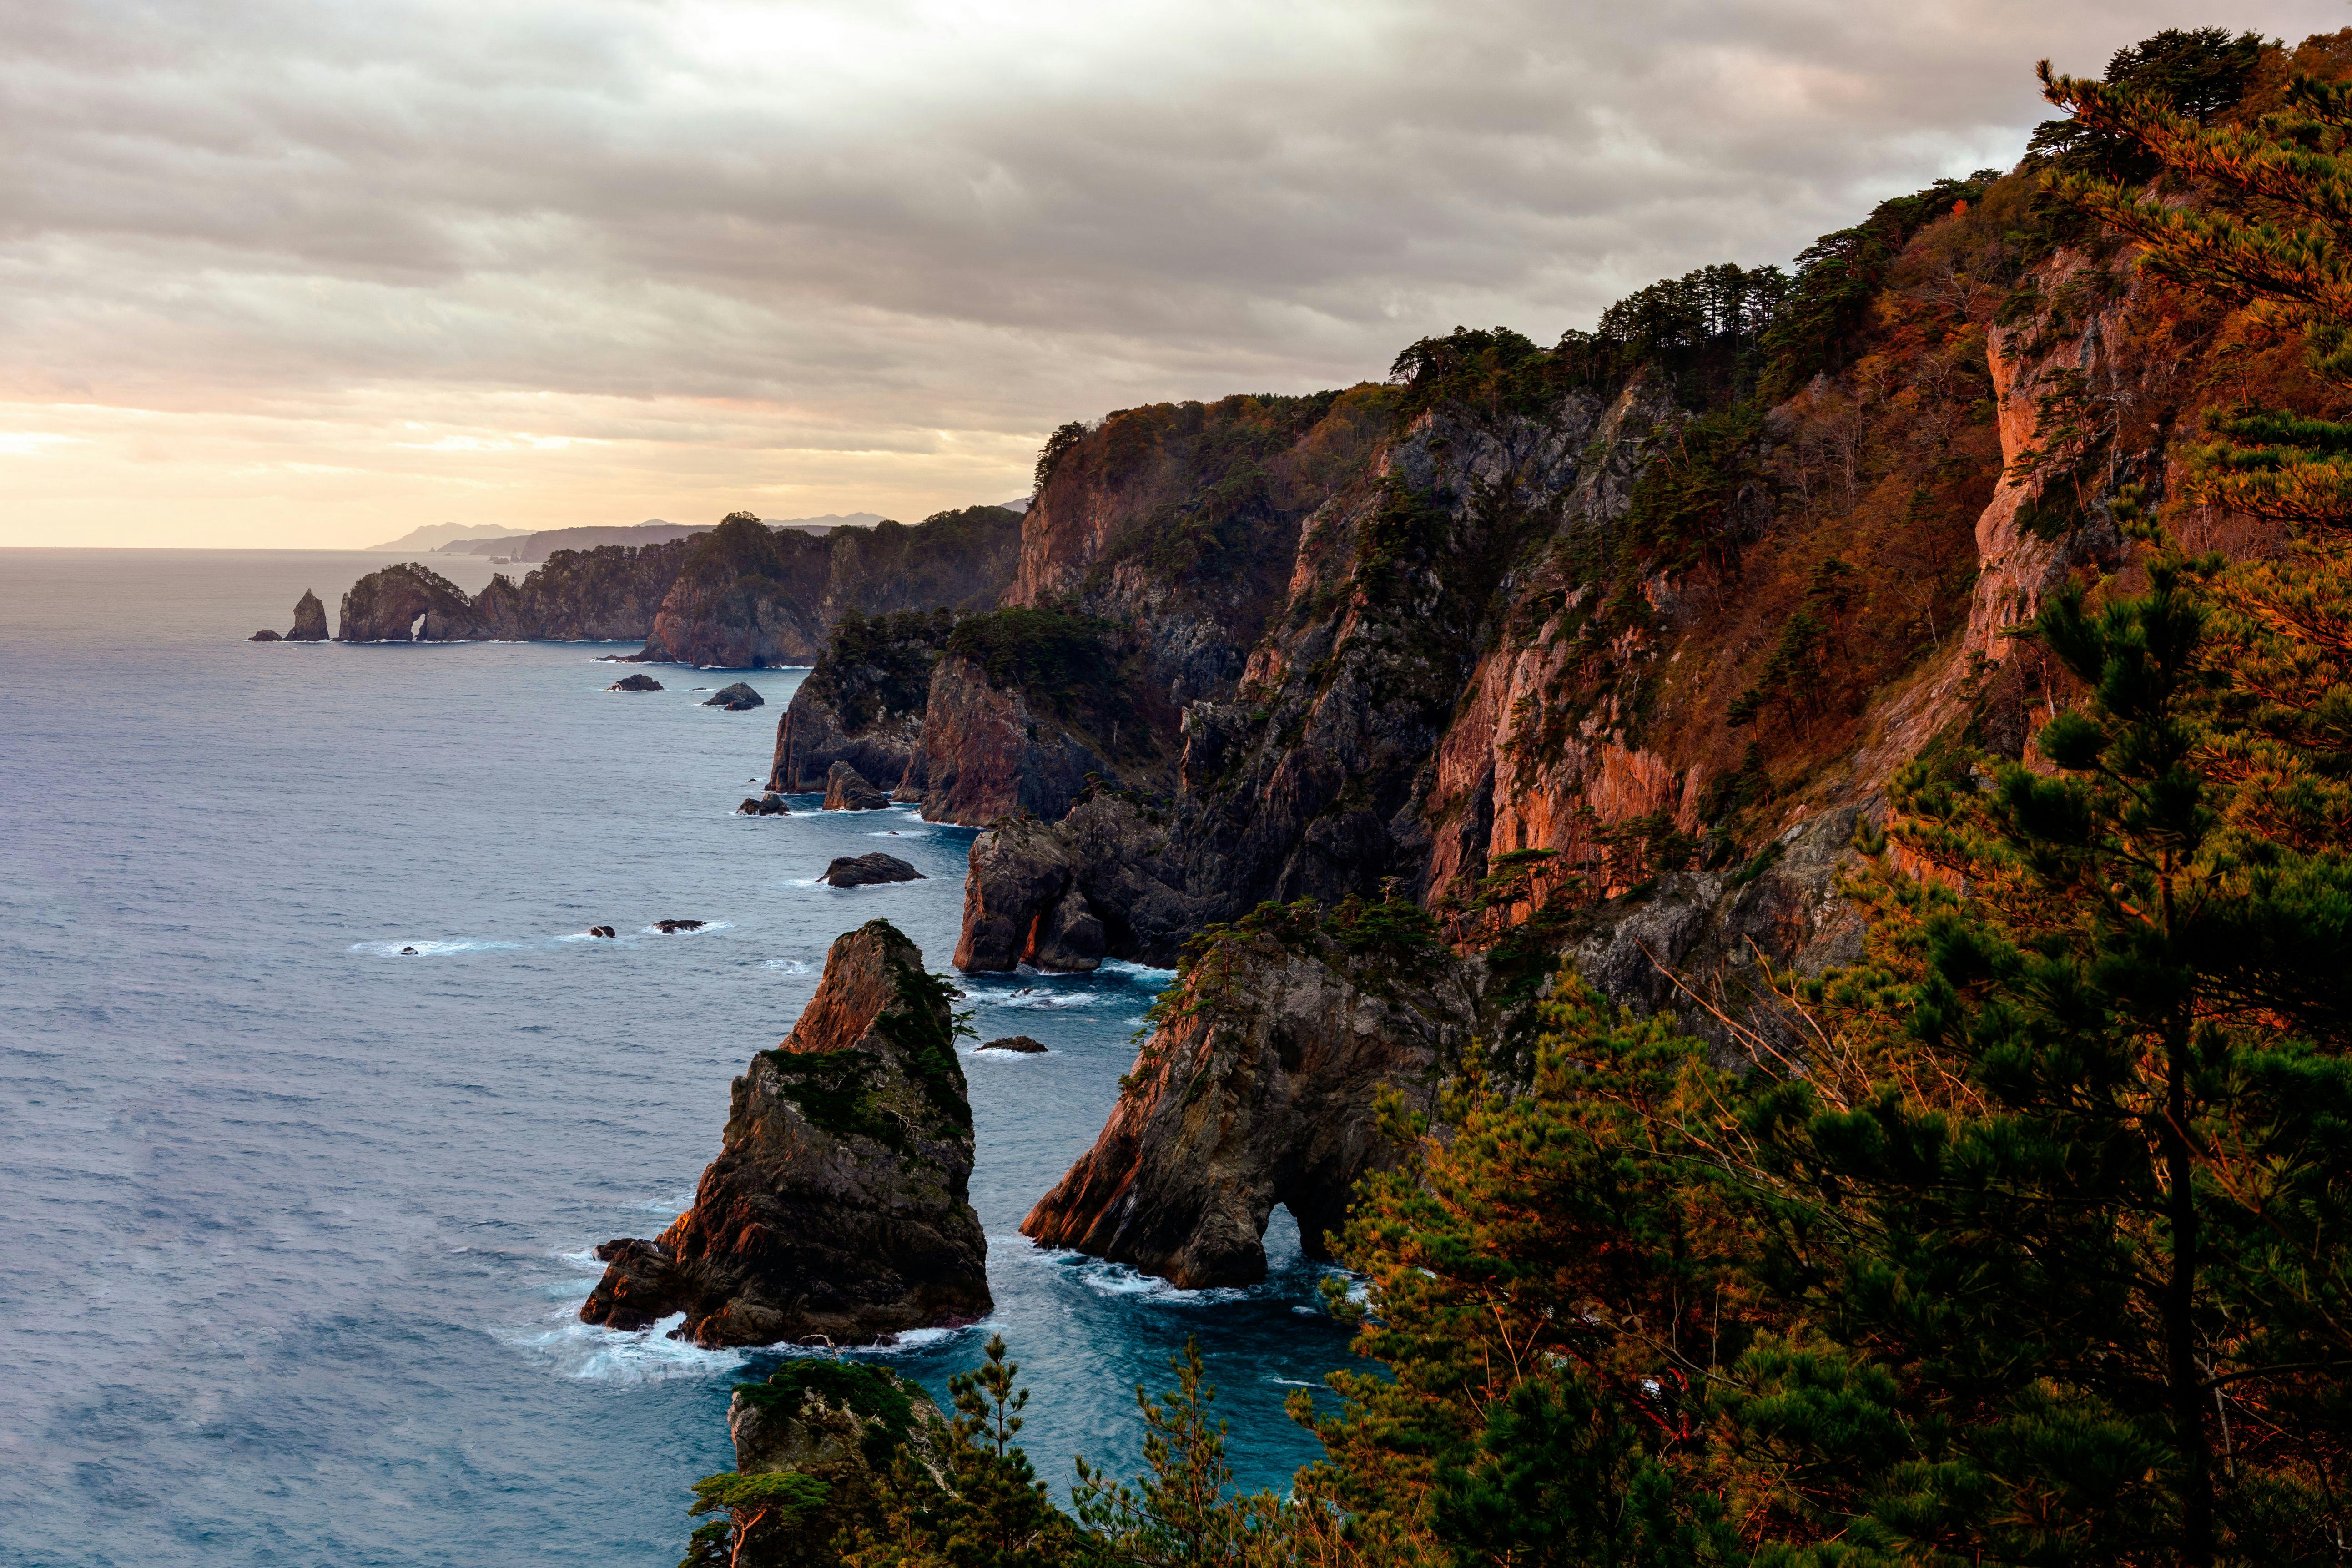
[(769, 804), (736, 698), (861, 870), (838, 1206), (265, 635), (602, 931), (846, 789), (635, 683), (1021, 1043), (671, 928), (408, 952)]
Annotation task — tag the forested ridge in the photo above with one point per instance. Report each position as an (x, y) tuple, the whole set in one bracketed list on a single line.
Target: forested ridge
[(2026, 1243)]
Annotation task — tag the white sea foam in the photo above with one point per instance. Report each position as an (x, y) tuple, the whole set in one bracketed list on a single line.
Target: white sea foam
[(1035, 996), (706, 928), (1140, 972), (1120, 1279), (786, 966), (429, 949), (608, 1355)]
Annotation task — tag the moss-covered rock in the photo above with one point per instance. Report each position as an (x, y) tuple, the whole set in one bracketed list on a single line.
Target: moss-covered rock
[(838, 1210)]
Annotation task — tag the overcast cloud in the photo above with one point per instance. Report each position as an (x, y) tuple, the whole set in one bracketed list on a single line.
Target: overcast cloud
[(312, 273)]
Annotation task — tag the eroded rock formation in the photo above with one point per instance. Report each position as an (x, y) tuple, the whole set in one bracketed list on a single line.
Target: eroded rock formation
[(1259, 1087), (846, 789), (837, 1206), (309, 619)]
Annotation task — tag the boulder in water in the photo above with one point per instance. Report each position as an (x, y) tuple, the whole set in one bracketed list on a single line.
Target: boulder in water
[(671, 928), (769, 804), (635, 683), (737, 698), (265, 635), (846, 789), (1020, 1043), (859, 871), (602, 931), (408, 952)]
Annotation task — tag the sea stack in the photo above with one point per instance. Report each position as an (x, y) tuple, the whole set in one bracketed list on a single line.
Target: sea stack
[(309, 619), (837, 1209)]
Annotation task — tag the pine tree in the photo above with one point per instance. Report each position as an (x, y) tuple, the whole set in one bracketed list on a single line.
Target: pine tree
[(1549, 1290), (993, 1512)]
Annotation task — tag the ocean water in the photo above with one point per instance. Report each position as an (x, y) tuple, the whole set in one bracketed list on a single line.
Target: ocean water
[(298, 1225)]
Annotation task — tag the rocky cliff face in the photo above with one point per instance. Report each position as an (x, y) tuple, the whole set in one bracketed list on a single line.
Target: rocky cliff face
[(837, 1206), (1589, 659), (737, 596), (1260, 1085), (989, 751), (609, 595), (745, 598), (863, 703), (749, 597)]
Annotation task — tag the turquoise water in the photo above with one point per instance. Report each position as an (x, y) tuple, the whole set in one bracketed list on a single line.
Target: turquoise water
[(298, 1224)]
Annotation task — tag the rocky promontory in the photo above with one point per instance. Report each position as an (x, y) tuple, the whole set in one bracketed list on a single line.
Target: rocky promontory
[(1261, 1085), (838, 1207), (749, 597), (864, 702), (738, 596)]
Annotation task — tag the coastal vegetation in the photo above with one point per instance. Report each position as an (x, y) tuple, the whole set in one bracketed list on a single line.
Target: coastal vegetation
[(2026, 1241)]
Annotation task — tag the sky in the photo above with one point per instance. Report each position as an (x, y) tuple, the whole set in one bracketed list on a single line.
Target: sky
[(311, 273)]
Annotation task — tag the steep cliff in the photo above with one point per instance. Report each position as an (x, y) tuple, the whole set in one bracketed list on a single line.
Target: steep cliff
[(608, 595), (863, 703), (838, 1207), (1261, 1085), (748, 596), (744, 598), (1598, 628)]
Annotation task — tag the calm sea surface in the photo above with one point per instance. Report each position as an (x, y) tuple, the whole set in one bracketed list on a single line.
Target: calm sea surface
[(297, 1226)]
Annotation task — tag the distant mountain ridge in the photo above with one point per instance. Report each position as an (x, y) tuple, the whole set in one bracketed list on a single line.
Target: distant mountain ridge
[(536, 547), (441, 535)]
